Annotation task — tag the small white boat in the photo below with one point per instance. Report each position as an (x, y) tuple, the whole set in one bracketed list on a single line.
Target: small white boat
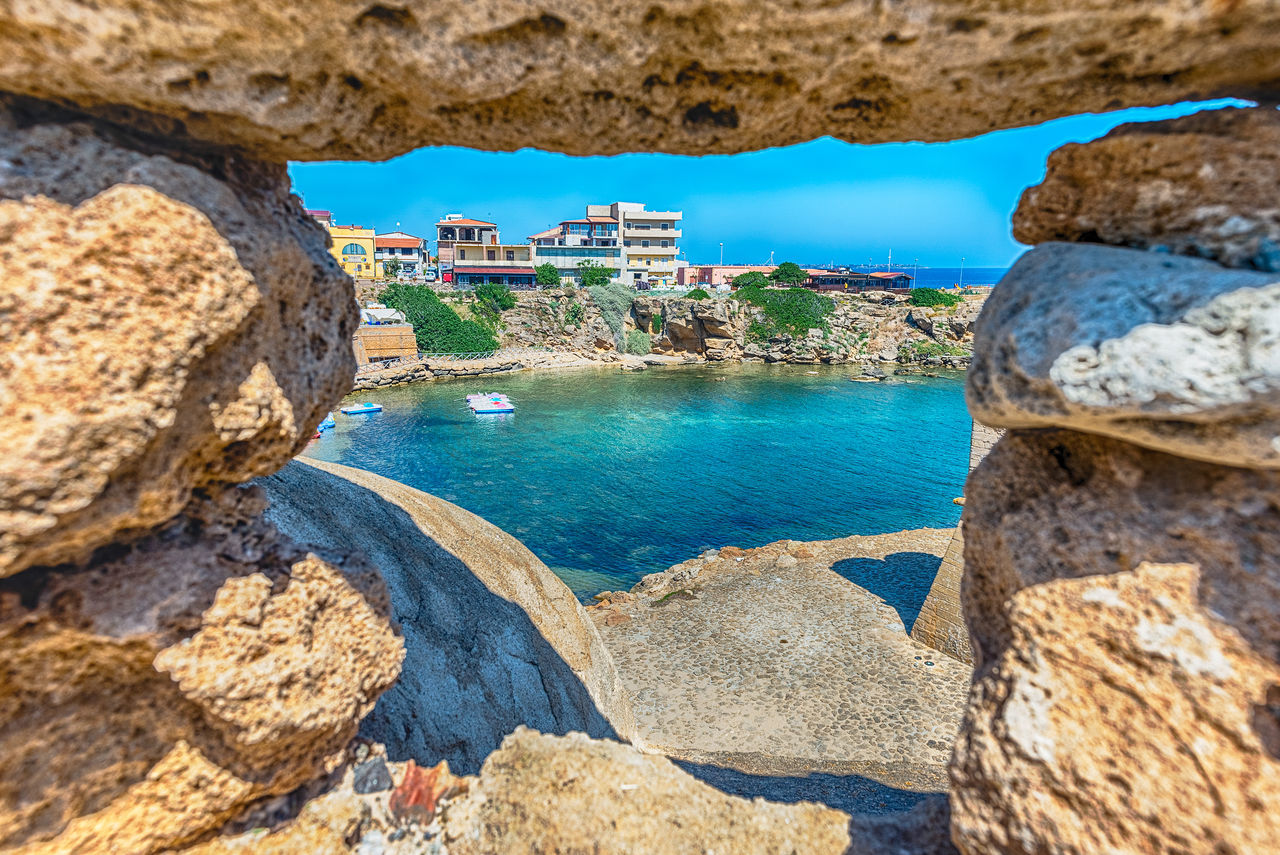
[(328, 423), (366, 407), (490, 402)]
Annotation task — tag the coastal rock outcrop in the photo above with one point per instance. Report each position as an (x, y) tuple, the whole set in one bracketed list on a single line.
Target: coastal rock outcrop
[(151, 695), (1201, 185), (611, 798), (592, 77), (1173, 353), (1123, 608), (494, 639), (176, 330)]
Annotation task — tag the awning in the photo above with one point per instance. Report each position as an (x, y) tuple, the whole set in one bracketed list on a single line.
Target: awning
[(499, 271)]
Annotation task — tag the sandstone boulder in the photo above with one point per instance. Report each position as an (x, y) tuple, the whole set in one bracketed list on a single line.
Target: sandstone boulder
[(344, 81), (717, 317), (1174, 353), (494, 639), (153, 694), (168, 321), (1123, 605), (611, 798), (1200, 185)]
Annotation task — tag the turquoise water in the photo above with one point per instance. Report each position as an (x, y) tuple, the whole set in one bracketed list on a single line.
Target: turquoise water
[(609, 475)]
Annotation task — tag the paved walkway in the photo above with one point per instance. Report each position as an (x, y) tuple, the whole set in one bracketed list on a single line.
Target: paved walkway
[(773, 663)]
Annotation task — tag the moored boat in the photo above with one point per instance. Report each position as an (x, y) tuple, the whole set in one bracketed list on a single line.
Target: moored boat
[(366, 407)]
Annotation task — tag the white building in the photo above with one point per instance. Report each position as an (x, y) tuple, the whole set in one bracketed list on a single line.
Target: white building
[(409, 250), (649, 242)]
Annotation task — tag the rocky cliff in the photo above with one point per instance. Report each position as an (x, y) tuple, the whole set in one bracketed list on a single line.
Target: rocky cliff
[(862, 329)]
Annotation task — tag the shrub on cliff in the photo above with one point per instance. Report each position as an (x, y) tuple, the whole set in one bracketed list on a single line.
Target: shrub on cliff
[(614, 301), (437, 328), (794, 311), (929, 297), (788, 273), (697, 294), (546, 275), (751, 279), (491, 299), (593, 274), (638, 342)]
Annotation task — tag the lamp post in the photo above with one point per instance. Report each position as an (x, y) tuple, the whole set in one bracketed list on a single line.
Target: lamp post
[(915, 272), (722, 253), (962, 272)]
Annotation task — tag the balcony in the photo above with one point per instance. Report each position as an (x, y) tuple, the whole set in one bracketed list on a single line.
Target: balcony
[(650, 234), (652, 250)]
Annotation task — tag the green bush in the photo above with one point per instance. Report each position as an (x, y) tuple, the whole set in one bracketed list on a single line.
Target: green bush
[(594, 274), (914, 351), (656, 324), (490, 299), (546, 275), (697, 294), (638, 342), (438, 328), (614, 301), (794, 311), (574, 314), (928, 297), (788, 273), (751, 279)]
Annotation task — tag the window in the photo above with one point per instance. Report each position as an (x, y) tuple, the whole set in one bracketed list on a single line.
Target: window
[(666, 243), (353, 249), (511, 255), (644, 243), (626, 243), (492, 254), (462, 253), (665, 226), (359, 267)]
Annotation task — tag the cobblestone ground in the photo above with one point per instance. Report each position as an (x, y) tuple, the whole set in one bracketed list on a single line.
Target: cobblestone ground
[(772, 663)]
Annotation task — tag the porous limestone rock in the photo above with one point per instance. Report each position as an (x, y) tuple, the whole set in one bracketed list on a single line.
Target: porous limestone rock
[(574, 794), (168, 321), (344, 81), (1200, 185), (1174, 353), (1123, 605), (494, 639), (154, 693)]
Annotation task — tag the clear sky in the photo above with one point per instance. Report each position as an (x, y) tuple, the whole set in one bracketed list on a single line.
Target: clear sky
[(813, 203)]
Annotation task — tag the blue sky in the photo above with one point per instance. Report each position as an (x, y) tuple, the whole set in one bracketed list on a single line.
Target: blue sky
[(813, 203)]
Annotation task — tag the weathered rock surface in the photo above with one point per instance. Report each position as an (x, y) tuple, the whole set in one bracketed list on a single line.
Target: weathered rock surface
[(161, 330), (794, 659), (494, 639), (1123, 605), (344, 82), (611, 798), (1200, 185), (151, 695), (1173, 353)]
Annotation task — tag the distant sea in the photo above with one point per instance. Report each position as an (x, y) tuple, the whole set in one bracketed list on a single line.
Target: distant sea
[(946, 277)]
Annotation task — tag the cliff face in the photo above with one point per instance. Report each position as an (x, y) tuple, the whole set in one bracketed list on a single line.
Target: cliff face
[(865, 328)]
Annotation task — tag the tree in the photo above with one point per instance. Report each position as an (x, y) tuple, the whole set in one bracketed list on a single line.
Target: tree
[(593, 273), (788, 273), (750, 279), (437, 327), (391, 268), (546, 275)]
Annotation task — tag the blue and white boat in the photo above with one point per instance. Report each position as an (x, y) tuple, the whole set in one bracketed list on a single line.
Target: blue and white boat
[(328, 423), (366, 407), (490, 402)]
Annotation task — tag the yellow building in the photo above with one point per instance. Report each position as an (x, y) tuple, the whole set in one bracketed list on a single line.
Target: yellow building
[(352, 246)]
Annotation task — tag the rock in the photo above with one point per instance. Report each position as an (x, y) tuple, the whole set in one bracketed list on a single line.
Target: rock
[(1198, 185), (921, 318), (471, 600), (1172, 353), (177, 331), (153, 694), (1123, 605), (717, 319), (611, 798), (372, 776), (605, 78)]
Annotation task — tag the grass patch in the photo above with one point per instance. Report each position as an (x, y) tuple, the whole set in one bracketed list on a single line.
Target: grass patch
[(930, 297), (915, 351), (638, 343)]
